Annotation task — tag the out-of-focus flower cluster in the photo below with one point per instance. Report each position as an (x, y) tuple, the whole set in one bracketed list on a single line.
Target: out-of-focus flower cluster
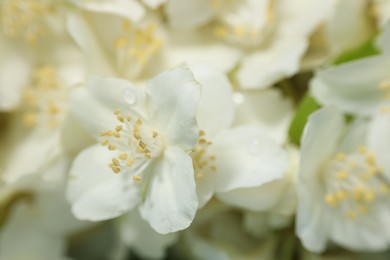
[(194, 129)]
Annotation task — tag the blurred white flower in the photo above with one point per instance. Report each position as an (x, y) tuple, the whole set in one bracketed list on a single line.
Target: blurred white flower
[(271, 36), (142, 159), (343, 188), (357, 87)]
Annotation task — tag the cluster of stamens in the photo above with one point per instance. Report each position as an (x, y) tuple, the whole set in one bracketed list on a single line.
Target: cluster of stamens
[(24, 18), (354, 182), (43, 98), (136, 46), (202, 161), (130, 142), (244, 33)]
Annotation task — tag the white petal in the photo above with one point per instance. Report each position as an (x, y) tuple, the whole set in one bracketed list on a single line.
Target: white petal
[(14, 76), (85, 38), (319, 141), (189, 47), (173, 99), (171, 203), (189, 13), (126, 8), (36, 149), (263, 68), (216, 108), (261, 198), (154, 3), (268, 109), (246, 157), (349, 26), (352, 87), (95, 192), (301, 17), (367, 233), (139, 236), (379, 140)]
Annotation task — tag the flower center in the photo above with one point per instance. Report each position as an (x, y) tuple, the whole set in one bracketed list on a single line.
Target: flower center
[(45, 99), (202, 161), (136, 47), (24, 18), (354, 182), (134, 144), (245, 25)]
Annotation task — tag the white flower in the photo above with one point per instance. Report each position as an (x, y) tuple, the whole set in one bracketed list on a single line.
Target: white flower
[(343, 188), (33, 133), (142, 159), (270, 36), (225, 157), (32, 33), (358, 87), (382, 11)]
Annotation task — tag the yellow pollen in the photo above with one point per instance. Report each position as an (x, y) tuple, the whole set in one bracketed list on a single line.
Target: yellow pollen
[(148, 155), (123, 156), (104, 142), (154, 134), (118, 128), (358, 193), (201, 133), (117, 111), (363, 149), (142, 145), (369, 196), (128, 118), (340, 156), (341, 194), (129, 162), (351, 214), (384, 188), (363, 209), (384, 85), (331, 200), (111, 147), (30, 119), (371, 159), (213, 168), (120, 118), (239, 31), (342, 175), (220, 31), (136, 178), (115, 162)]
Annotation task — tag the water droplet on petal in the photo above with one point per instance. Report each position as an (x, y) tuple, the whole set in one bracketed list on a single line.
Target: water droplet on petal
[(255, 147), (129, 97)]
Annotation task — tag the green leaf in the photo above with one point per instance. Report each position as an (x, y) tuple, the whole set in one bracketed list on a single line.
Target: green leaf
[(307, 106), (368, 48)]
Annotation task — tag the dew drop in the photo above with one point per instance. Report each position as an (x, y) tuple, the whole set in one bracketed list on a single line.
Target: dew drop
[(255, 147), (129, 97)]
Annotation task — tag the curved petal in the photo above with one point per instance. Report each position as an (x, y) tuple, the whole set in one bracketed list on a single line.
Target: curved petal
[(216, 108), (379, 140), (14, 76), (85, 38), (138, 235), (261, 198), (187, 47), (154, 3), (94, 191), (189, 13), (263, 68), (173, 98), (126, 8), (352, 87), (171, 203), (268, 109), (367, 233), (246, 157), (319, 141)]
